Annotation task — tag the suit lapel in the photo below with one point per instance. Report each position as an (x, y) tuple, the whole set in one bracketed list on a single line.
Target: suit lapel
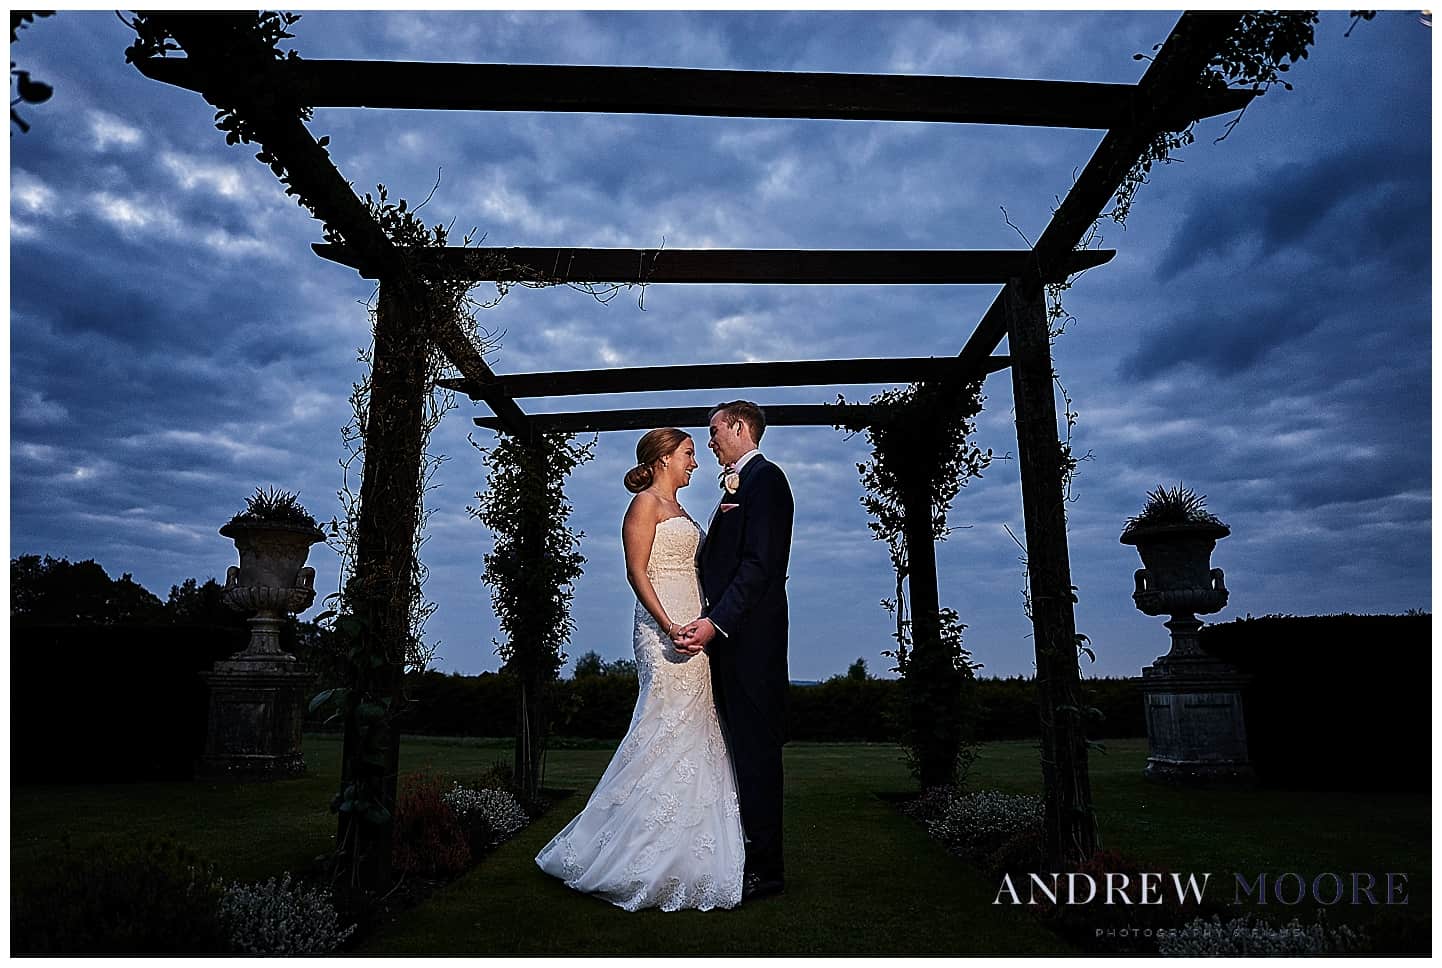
[(716, 514)]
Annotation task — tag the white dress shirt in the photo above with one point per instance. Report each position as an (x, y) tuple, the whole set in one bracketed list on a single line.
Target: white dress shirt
[(740, 463)]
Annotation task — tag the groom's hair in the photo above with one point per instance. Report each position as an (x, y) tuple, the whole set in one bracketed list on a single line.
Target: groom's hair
[(745, 411)]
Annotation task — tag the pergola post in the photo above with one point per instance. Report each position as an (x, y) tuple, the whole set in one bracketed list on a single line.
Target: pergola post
[(933, 679), (1070, 833), (379, 591), (531, 718)]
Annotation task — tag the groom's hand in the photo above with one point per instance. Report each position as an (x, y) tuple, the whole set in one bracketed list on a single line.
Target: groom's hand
[(696, 636)]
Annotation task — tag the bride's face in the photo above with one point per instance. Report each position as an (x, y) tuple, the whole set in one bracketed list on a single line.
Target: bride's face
[(681, 462)]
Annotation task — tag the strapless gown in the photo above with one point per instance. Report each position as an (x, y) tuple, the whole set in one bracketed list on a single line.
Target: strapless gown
[(663, 826)]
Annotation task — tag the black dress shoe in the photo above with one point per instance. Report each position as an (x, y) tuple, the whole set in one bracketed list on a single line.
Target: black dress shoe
[(755, 886)]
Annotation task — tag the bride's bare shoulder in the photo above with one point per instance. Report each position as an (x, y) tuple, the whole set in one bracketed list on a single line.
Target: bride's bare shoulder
[(645, 508)]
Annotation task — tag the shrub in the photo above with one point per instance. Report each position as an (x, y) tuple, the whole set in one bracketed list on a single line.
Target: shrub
[(428, 838), (977, 825), (121, 898), (280, 918), (1254, 936), (489, 816), (1303, 717), (500, 775), (1019, 855)]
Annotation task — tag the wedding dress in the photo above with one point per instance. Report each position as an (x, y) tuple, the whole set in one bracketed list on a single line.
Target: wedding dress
[(663, 826)]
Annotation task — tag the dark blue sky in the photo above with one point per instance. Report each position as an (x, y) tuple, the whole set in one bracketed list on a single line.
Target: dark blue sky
[(1263, 334)]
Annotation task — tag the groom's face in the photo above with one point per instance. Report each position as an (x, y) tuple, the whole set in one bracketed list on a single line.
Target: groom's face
[(728, 439)]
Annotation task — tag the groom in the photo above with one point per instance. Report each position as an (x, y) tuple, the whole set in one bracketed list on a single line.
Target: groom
[(742, 562)]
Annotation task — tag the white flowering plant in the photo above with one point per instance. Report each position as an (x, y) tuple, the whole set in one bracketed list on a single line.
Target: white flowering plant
[(1255, 936), (281, 917), (977, 824), (497, 811)]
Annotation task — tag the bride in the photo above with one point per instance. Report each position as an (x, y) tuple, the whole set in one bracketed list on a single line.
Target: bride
[(663, 826)]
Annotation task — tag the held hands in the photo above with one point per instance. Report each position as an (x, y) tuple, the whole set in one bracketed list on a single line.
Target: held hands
[(692, 638)]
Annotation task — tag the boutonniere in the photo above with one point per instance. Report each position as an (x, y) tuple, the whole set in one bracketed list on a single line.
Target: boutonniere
[(730, 480)]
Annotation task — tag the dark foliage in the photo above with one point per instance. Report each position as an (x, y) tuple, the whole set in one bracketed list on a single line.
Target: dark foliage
[(591, 664), (27, 89), (274, 506), (1318, 716), (531, 573), (53, 590), (921, 456), (155, 897), (428, 838), (133, 704), (1018, 856), (848, 707), (1007, 708)]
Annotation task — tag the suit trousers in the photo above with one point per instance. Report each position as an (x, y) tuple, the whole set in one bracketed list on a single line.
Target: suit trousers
[(755, 748)]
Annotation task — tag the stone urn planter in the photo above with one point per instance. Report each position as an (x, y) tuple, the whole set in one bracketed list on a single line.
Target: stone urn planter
[(257, 695), (1195, 728), (1178, 578), (272, 581)]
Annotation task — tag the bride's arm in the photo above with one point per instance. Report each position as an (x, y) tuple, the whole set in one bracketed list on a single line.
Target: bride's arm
[(638, 532)]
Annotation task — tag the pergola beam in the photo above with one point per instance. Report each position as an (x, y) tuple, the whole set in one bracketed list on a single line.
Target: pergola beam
[(717, 93), (711, 376), (759, 266), (1171, 78), (312, 172), (784, 415)]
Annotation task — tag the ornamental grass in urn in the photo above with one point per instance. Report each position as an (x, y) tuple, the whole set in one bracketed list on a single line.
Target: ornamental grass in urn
[(273, 535), (1175, 536)]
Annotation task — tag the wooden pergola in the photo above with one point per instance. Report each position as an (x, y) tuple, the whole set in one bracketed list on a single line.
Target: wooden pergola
[(1168, 97)]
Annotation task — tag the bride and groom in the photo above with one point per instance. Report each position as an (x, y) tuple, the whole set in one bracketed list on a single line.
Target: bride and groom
[(688, 813)]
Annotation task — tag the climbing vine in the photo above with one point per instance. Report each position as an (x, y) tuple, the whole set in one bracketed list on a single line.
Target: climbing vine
[(531, 572), (922, 454)]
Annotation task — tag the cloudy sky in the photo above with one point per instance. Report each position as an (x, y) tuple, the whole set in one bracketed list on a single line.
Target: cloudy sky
[(1263, 334)]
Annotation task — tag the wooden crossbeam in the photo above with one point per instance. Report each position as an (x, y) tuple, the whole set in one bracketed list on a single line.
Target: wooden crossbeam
[(723, 93), (786, 415), (310, 169), (722, 375), (775, 266), (1170, 78)]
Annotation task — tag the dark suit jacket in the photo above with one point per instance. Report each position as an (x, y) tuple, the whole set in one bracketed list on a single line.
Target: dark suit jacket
[(742, 563)]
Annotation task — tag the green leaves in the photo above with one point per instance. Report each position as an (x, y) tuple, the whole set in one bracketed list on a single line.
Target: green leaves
[(534, 562), (337, 695)]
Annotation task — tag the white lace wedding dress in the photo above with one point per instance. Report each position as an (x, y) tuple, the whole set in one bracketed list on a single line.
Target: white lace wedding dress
[(663, 826)]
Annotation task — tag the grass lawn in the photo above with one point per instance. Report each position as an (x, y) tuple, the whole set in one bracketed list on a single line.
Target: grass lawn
[(861, 878)]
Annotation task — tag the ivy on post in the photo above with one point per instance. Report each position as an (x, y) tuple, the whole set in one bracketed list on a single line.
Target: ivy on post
[(379, 593), (531, 571), (921, 456), (1070, 834)]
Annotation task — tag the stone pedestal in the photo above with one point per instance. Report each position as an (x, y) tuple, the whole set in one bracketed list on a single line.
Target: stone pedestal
[(257, 697), (256, 713), (1195, 729)]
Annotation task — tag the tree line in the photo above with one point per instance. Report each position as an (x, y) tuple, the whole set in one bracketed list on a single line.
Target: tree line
[(596, 702), (598, 699)]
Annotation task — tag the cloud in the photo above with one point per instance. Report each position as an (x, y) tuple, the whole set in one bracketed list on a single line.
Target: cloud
[(225, 180), (107, 130), (30, 193), (1263, 333), (1371, 199)]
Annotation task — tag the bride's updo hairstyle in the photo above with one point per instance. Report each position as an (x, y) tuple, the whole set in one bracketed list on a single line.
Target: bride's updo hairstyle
[(650, 449)]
